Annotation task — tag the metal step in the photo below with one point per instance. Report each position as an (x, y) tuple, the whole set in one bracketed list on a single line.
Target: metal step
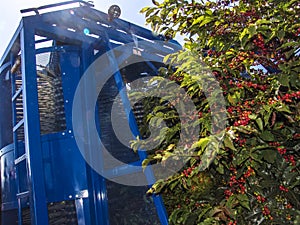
[(23, 194), (20, 159), (19, 124), (18, 92)]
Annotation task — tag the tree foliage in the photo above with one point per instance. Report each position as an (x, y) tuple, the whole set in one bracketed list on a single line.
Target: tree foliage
[(252, 48)]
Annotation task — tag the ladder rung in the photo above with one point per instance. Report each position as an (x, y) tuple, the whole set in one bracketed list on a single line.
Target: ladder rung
[(20, 159), (23, 194), (17, 93), (21, 122)]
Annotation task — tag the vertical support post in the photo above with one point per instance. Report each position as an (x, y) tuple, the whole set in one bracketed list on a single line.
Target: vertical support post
[(96, 183), (38, 201)]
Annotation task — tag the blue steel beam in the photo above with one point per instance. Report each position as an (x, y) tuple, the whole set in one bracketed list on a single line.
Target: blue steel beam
[(83, 17), (4, 66), (13, 46), (38, 200), (121, 24), (67, 20)]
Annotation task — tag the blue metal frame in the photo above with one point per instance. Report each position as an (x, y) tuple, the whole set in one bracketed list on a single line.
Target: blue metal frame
[(33, 148), (47, 155)]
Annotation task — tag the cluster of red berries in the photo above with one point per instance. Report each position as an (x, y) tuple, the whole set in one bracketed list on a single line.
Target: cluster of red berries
[(228, 193), (243, 119), (260, 43), (290, 159), (238, 185), (283, 188), (240, 58), (255, 86), (298, 32), (296, 136), (275, 144), (232, 223), (281, 151), (272, 101), (248, 84), (212, 52), (240, 141), (188, 171), (230, 109), (288, 97), (260, 199), (249, 172), (266, 211)]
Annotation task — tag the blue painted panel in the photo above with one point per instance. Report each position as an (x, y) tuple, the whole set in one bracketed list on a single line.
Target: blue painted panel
[(64, 169), (71, 64)]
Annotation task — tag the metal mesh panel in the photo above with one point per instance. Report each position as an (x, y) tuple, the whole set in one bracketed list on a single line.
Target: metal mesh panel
[(130, 205), (50, 93), (105, 101), (59, 213)]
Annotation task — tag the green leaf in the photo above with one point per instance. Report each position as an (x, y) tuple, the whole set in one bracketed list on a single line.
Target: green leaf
[(198, 20), (267, 117), (145, 163), (206, 20), (281, 34), (269, 155), (201, 143), (220, 168), (244, 33), (252, 116), (267, 136), (144, 9), (283, 108), (252, 31), (167, 155), (191, 219), (284, 79), (240, 158), (259, 123), (234, 98), (174, 215), (228, 143), (155, 2), (244, 201)]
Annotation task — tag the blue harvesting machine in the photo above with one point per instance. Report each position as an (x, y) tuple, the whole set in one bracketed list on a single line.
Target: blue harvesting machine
[(45, 178)]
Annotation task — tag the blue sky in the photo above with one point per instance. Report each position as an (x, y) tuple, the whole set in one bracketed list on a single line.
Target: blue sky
[(10, 15)]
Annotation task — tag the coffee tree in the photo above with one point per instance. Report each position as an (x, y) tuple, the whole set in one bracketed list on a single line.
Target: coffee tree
[(252, 49)]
